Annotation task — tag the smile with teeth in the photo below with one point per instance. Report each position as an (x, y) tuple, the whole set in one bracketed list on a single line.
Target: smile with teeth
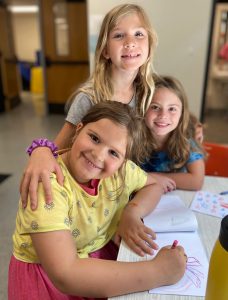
[(91, 164), (130, 55), (158, 124)]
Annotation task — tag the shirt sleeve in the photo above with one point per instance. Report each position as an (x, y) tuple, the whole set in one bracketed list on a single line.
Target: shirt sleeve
[(194, 155), (47, 217), (136, 178), (79, 107)]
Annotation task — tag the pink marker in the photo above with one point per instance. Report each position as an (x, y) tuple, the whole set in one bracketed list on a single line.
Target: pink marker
[(175, 242)]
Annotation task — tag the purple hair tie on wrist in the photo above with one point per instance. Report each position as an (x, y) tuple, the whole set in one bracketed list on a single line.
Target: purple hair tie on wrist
[(42, 143)]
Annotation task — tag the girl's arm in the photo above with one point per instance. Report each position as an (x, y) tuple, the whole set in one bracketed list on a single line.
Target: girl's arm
[(131, 228), (191, 180), (166, 183), (91, 277), (41, 164), (65, 135)]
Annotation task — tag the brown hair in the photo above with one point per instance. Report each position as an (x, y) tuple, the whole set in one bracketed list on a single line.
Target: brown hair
[(139, 142), (178, 145)]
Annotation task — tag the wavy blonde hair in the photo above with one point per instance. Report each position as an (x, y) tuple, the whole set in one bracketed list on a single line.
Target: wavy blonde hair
[(99, 86), (178, 146)]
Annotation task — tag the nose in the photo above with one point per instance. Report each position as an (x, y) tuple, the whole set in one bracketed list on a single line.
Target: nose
[(99, 153), (162, 114), (129, 43)]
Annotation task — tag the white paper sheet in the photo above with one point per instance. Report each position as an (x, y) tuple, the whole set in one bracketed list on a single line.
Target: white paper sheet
[(172, 213), (194, 280)]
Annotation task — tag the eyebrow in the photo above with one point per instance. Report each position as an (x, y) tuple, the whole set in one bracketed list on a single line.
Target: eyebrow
[(156, 103), (121, 29)]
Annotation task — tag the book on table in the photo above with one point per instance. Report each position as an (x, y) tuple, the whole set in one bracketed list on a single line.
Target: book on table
[(172, 220)]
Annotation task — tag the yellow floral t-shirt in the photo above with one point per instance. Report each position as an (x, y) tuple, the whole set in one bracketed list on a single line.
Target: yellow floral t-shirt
[(92, 220)]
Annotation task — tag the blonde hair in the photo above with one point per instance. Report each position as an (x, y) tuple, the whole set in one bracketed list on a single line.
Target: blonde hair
[(178, 146), (99, 86)]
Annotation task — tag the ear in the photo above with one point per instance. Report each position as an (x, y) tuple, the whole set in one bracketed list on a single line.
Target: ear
[(105, 53), (79, 126)]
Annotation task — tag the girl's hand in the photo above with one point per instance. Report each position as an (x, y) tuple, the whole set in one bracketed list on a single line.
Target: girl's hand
[(137, 236), (41, 164), (171, 265), (166, 183)]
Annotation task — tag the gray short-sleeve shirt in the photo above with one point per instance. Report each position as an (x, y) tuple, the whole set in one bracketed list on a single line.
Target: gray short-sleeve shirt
[(81, 104)]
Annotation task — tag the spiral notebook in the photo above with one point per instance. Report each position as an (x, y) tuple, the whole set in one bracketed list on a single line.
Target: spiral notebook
[(171, 220)]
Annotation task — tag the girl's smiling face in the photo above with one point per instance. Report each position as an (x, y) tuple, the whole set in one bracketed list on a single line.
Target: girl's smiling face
[(98, 151), (127, 44), (164, 113)]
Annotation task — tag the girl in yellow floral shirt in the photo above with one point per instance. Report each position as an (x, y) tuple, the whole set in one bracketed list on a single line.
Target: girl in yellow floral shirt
[(57, 246)]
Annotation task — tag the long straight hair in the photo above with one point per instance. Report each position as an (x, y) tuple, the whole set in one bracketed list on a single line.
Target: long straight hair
[(99, 86)]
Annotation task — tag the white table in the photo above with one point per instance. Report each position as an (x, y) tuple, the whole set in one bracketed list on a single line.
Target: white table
[(209, 227)]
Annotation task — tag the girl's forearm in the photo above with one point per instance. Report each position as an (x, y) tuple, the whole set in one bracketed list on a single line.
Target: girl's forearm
[(187, 181), (64, 137), (91, 277), (104, 278), (146, 200)]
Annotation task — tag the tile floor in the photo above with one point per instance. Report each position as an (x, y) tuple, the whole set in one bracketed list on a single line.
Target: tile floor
[(17, 129)]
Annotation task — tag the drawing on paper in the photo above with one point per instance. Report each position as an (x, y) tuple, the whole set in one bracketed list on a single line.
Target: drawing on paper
[(193, 277), (193, 271), (211, 204)]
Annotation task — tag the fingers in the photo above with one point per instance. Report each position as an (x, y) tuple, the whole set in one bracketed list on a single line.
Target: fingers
[(24, 187), (182, 253), (173, 184), (135, 248), (186, 257), (148, 236), (143, 242), (29, 187), (180, 249), (169, 185), (47, 187), (32, 189), (141, 247), (150, 232), (117, 239)]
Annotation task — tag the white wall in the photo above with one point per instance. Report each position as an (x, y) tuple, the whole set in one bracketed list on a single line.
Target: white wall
[(183, 31), (26, 35)]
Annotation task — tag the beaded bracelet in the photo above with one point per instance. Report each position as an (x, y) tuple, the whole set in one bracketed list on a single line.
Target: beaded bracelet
[(42, 143)]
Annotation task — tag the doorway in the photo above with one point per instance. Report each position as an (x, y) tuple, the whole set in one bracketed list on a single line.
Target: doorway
[(9, 86), (53, 57), (64, 49)]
